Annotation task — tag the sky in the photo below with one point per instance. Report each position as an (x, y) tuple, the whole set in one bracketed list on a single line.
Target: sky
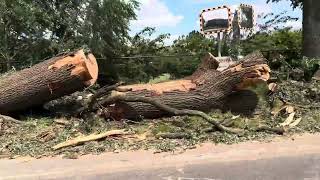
[(179, 17)]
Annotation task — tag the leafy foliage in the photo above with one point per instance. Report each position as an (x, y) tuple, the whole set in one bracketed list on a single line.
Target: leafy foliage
[(32, 30), (179, 60), (194, 44), (274, 22), (295, 3), (285, 40), (144, 51)]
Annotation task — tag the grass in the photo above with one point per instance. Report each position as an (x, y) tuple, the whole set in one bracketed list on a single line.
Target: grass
[(37, 136), (162, 78)]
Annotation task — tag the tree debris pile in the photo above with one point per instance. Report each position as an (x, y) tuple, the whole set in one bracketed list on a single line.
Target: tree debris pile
[(204, 90), (303, 93), (241, 102), (300, 99)]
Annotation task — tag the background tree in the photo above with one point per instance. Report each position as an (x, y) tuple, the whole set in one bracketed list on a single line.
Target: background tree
[(143, 47), (311, 26), (105, 30), (19, 30), (273, 37), (153, 57), (34, 29)]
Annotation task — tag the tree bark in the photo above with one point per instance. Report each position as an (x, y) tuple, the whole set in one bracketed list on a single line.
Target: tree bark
[(206, 89), (311, 26), (51, 79)]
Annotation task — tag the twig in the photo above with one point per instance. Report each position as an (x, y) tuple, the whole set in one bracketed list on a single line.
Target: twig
[(10, 119), (4, 156), (173, 111), (314, 106), (90, 105), (92, 137), (102, 92), (174, 135), (61, 121), (278, 130), (304, 106)]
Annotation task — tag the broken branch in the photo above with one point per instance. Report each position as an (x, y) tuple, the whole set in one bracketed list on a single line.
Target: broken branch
[(10, 119), (172, 111), (92, 137), (277, 130)]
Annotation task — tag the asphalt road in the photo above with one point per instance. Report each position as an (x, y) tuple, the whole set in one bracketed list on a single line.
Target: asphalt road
[(295, 158), (288, 168)]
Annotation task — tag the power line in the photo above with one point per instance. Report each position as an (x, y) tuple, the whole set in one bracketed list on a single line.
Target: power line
[(189, 55), (143, 57), (149, 56)]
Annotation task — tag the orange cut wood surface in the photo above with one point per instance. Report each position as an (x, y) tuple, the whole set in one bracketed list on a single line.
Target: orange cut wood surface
[(85, 67), (160, 88)]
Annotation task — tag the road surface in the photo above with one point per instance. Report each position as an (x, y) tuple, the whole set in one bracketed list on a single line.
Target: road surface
[(291, 158)]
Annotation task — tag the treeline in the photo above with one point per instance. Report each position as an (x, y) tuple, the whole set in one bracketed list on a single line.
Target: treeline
[(32, 30), (282, 46), (35, 29)]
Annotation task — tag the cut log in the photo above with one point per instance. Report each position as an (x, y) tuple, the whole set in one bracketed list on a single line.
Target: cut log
[(206, 89), (51, 79)]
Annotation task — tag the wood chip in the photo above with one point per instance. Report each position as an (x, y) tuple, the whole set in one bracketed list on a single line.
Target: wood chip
[(61, 121), (289, 109), (288, 120), (92, 137), (273, 87), (295, 123)]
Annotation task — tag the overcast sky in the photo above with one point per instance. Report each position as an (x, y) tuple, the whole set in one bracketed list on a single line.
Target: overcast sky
[(179, 17)]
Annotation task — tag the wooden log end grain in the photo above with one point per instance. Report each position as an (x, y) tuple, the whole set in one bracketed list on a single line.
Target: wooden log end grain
[(48, 80)]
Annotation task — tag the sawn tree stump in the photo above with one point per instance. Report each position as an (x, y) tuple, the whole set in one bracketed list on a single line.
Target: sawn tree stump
[(51, 79)]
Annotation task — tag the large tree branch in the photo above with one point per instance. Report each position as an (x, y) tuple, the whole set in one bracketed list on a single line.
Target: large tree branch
[(172, 111)]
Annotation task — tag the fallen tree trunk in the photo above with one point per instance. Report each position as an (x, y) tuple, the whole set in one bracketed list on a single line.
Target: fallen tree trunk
[(170, 110), (206, 89), (51, 79)]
